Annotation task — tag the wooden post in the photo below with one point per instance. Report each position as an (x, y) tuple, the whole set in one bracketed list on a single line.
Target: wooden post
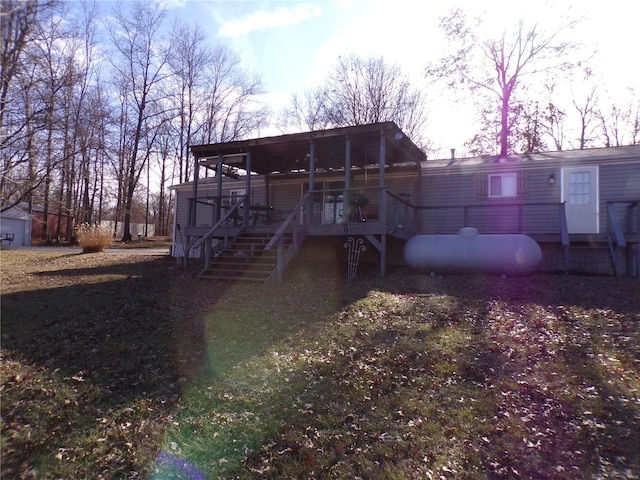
[(347, 179), (219, 193), (247, 185), (280, 260), (312, 163), (382, 201), (312, 172), (267, 188), (382, 196), (417, 213), (191, 219), (383, 255), (634, 206), (194, 201)]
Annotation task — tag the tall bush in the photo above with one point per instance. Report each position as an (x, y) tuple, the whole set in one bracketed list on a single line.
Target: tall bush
[(93, 237)]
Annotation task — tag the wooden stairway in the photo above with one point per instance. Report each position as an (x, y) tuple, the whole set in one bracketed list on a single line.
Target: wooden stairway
[(246, 259), (598, 259)]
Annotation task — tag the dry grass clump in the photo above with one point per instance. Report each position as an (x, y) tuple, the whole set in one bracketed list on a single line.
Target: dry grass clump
[(93, 237)]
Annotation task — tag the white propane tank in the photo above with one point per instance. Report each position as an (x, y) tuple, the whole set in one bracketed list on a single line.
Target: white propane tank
[(469, 252)]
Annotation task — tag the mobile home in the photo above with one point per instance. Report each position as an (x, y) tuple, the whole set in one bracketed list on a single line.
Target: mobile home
[(268, 200)]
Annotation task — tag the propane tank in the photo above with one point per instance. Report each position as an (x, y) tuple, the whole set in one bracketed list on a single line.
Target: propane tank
[(469, 252)]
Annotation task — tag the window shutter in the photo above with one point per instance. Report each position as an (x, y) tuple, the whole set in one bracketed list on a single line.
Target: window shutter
[(483, 185), (523, 185)]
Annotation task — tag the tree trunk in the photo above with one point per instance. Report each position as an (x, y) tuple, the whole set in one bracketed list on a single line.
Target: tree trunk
[(504, 125)]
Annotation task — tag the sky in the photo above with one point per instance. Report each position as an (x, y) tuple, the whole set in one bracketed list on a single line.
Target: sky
[(294, 44)]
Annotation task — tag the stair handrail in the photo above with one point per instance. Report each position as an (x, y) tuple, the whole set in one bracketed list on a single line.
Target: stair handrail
[(219, 223), (613, 226), (283, 257), (294, 213), (399, 199)]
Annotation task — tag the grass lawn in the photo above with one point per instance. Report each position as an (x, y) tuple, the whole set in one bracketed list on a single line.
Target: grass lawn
[(127, 366)]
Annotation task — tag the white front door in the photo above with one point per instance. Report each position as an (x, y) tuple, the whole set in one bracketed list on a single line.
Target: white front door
[(580, 196)]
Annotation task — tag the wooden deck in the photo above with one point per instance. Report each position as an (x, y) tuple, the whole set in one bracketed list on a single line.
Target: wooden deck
[(614, 251)]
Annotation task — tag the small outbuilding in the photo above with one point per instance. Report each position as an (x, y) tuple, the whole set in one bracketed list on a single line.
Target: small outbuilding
[(15, 227)]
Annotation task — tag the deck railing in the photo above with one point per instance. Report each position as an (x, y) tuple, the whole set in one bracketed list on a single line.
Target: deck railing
[(360, 204), (616, 233), (512, 218), (223, 225), (283, 257)]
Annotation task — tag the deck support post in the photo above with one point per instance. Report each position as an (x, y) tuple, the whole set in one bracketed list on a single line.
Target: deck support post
[(312, 164), (381, 246), (634, 206), (383, 255), (382, 201), (219, 188), (194, 192), (347, 178), (280, 260), (191, 219), (383, 161), (312, 177), (247, 188)]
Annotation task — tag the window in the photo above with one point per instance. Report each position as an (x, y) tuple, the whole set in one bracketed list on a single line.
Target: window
[(580, 188), (503, 185), (236, 194)]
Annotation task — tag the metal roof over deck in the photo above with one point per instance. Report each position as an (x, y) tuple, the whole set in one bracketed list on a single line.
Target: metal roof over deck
[(290, 153)]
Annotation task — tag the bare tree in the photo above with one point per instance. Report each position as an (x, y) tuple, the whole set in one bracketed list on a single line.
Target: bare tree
[(232, 106), (488, 135), (530, 130), (95, 119), (361, 91), (166, 146), (499, 64), (53, 52), (587, 110), (191, 58), (140, 68), (306, 112), (21, 111), (621, 125), (554, 119)]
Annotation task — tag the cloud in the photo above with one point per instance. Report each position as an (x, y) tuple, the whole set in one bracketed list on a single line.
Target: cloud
[(260, 20), (171, 4)]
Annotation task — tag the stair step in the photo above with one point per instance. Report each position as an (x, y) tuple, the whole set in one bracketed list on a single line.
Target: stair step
[(590, 258), (231, 277), (241, 261), (237, 272), (246, 259)]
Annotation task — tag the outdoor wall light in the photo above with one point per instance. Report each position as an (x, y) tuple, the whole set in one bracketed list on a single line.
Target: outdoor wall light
[(552, 179)]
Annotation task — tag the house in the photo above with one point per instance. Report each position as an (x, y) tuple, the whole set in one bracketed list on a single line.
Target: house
[(367, 189), (15, 227)]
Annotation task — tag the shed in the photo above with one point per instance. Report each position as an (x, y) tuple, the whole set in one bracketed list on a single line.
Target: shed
[(15, 227)]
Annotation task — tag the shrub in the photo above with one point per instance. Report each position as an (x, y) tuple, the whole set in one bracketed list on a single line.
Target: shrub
[(93, 237)]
